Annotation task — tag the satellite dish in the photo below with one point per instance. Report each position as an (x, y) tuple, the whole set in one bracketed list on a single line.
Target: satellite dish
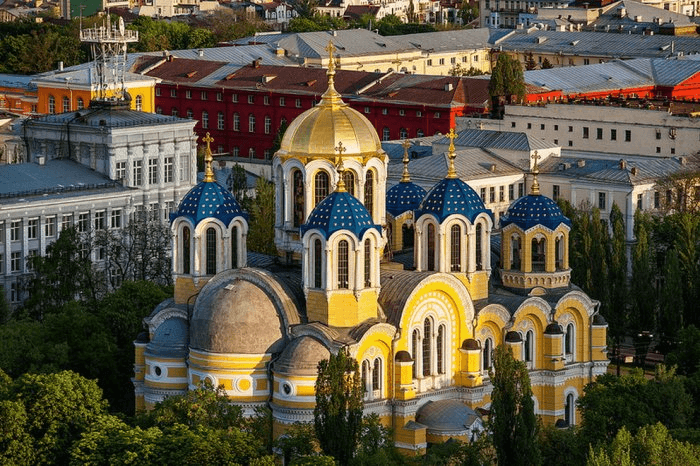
[(121, 26)]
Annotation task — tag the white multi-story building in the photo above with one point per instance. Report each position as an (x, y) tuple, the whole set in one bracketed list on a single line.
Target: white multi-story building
[(89, 169)]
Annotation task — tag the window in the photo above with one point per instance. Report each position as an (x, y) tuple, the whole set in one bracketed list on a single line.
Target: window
[(16, 262), (349, 180), (211, 251), (266, 100), (251, 152), (658, 134), (99, 220), (188, 94), (431, 247), (33, 228), (234, 98), (385, 111), (570, 410), (343, 271), (482, 193), (173, 92), (152, 171), (658, 150), (281, 101), (556, 192), (501, 193), (528, 346), (521, 189), (429, 62), (442, 61), (219, 96), (437, 115), (52, 105), (120, 171), (81, 103), (599, 133), (657, 200), (385, 134), (455, 249), (556, 127), (415, 339), (157, 91), (203, 95), (236, 151), (427, 350), (320, 186), (369, 191), (585, 132), (486, 351), (205, 119), (402, 112), (640, 202), (186, 250), (367, 110), (403, 133), (174, 111), (159, 110), (16, 230), (511, 192), (66, 104), (49, 227), (586, 61), (613, 135), (66, 222), (419, 113), (556, 142), (601, 201), (479, 241), (136, 172), (116, 218), (220, 123), (515, 251), (492, 194), (251, 123), (529, 126), (419, 133), (377, 376), (83, 222), (368, 263), (236, 122), (542, 127), (268, 125), (453, 60), (628, 135), (297, 103), (190, 114), (571, 129), (184, 167), (440, 349), (168, 169), (251, 99), (318, 263), (139, 103), (512, 124)]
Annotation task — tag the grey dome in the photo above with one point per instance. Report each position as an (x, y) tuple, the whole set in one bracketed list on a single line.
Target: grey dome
[(301, 357), (169, 339), (447, 416), (235, 315)]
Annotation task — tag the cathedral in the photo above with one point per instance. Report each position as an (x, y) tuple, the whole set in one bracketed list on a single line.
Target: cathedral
[(422, 321)]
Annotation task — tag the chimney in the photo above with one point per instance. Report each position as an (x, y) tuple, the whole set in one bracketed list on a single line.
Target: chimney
[(60, 66), (448, 87), (580, 163), (633, 171), (623, 164), (200, 52)]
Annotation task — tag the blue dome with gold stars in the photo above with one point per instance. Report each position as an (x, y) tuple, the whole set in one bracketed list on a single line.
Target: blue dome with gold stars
[(533, 210), (340, 211), (452, 196), (404, 197), (208, 199)]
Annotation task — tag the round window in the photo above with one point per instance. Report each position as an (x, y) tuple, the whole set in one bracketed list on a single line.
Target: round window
[(157, 371), (287, 388)]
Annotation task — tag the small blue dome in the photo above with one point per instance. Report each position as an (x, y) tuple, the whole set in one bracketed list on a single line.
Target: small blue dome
[(206, 200), (403, 197), (452, 196), (532, 210), (340, 211)]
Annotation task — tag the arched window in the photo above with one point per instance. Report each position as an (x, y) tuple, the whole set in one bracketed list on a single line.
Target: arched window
[(440, 347), (559, 253), (407, 233), (427, 347), (455, 248), (365, 376), (369, 191), (515, 253), (52, 105), (368, 263), (236, 122), (569, 341), (349, 180), (251, 153), (389, 238), (320, 186), (251, 123), (234, 247), (318, 264), (173, 111), (81, 103), (211, 251), (415, 338), (385, 134), (268, 125), (159, 110), (528, 347), (377, 375), (220, 123), (538, 254), (343, 271), (403, 133), (479, 248), (420, 133), (298, 183), (190, 114), (431, 246), (139, 103), (66, 104), (486, 354), (569, 410), (186, 250), (205, 119)]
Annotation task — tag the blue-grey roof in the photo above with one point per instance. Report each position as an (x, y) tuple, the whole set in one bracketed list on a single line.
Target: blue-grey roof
[(634, 170), (208, 200), (489, 139), (170, 339), (616, 74), (108, 118), (57, 178), (340, 211), (452, 196), (447, 416), (17, 81), (532, 210), (403, 197), (637, 18)]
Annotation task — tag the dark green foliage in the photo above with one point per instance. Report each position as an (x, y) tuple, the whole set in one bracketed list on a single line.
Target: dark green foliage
[(530, 63), (562, 447), (157, 35), (643, 306), (671, 302), (507, 80), (299, 441), (479, 452), (338, 410), (686, 356), (632, 401), (237, 183), (261, 234), (276, 144), (546, 64), (513, 423), (317, 22)]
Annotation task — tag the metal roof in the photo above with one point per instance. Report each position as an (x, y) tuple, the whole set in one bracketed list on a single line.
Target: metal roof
[(637, 18), (632, 171), (108, 117), (487, 139)]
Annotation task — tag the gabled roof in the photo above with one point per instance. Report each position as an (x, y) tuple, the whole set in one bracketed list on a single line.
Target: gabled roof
[(489, 139), (633, 171), (637, 18)]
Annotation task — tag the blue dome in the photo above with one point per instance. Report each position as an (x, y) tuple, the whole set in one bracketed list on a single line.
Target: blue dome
[(340, 211), (532, 210), (403, 197), (452, 196), (206, 200)]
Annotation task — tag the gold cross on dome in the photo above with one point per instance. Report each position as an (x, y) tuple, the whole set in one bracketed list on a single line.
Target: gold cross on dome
[(406, 177), (535, 157), (339, 148), (208, 139), (208, 159), (535, 188), (451, 172), (330, 48)]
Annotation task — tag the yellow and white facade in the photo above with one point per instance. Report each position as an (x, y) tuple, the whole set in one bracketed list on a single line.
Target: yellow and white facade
[(423, 334)]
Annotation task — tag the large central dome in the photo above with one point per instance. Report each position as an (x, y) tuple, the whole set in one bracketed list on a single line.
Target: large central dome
[(318, 130)]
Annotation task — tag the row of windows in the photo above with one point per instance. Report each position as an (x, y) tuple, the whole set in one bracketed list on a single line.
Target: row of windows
[(211, 246), (585, 132), (453, 60), (50, 225), (538, 253), (154, 173), (204, 95), (80, 103), (502, 193)]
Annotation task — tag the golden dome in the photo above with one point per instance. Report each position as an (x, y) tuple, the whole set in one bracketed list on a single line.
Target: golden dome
[(319, 130)]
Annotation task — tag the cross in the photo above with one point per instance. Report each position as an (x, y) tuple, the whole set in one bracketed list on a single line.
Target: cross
[(406, 176), (451, 172), (535, 157), (208, 159), (340, 149), (208, 139), (452, 136), (330, 48)]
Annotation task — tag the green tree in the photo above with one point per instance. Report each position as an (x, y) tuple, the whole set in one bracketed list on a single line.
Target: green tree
[(642, 287), (299, 441), (507, 83), (306, 8), (562, 447), (615, 310), (687, 239), (512, 422), (338, 410), (546, 64), (530, 63), (261, 234), (671, 302), (16, 445)]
